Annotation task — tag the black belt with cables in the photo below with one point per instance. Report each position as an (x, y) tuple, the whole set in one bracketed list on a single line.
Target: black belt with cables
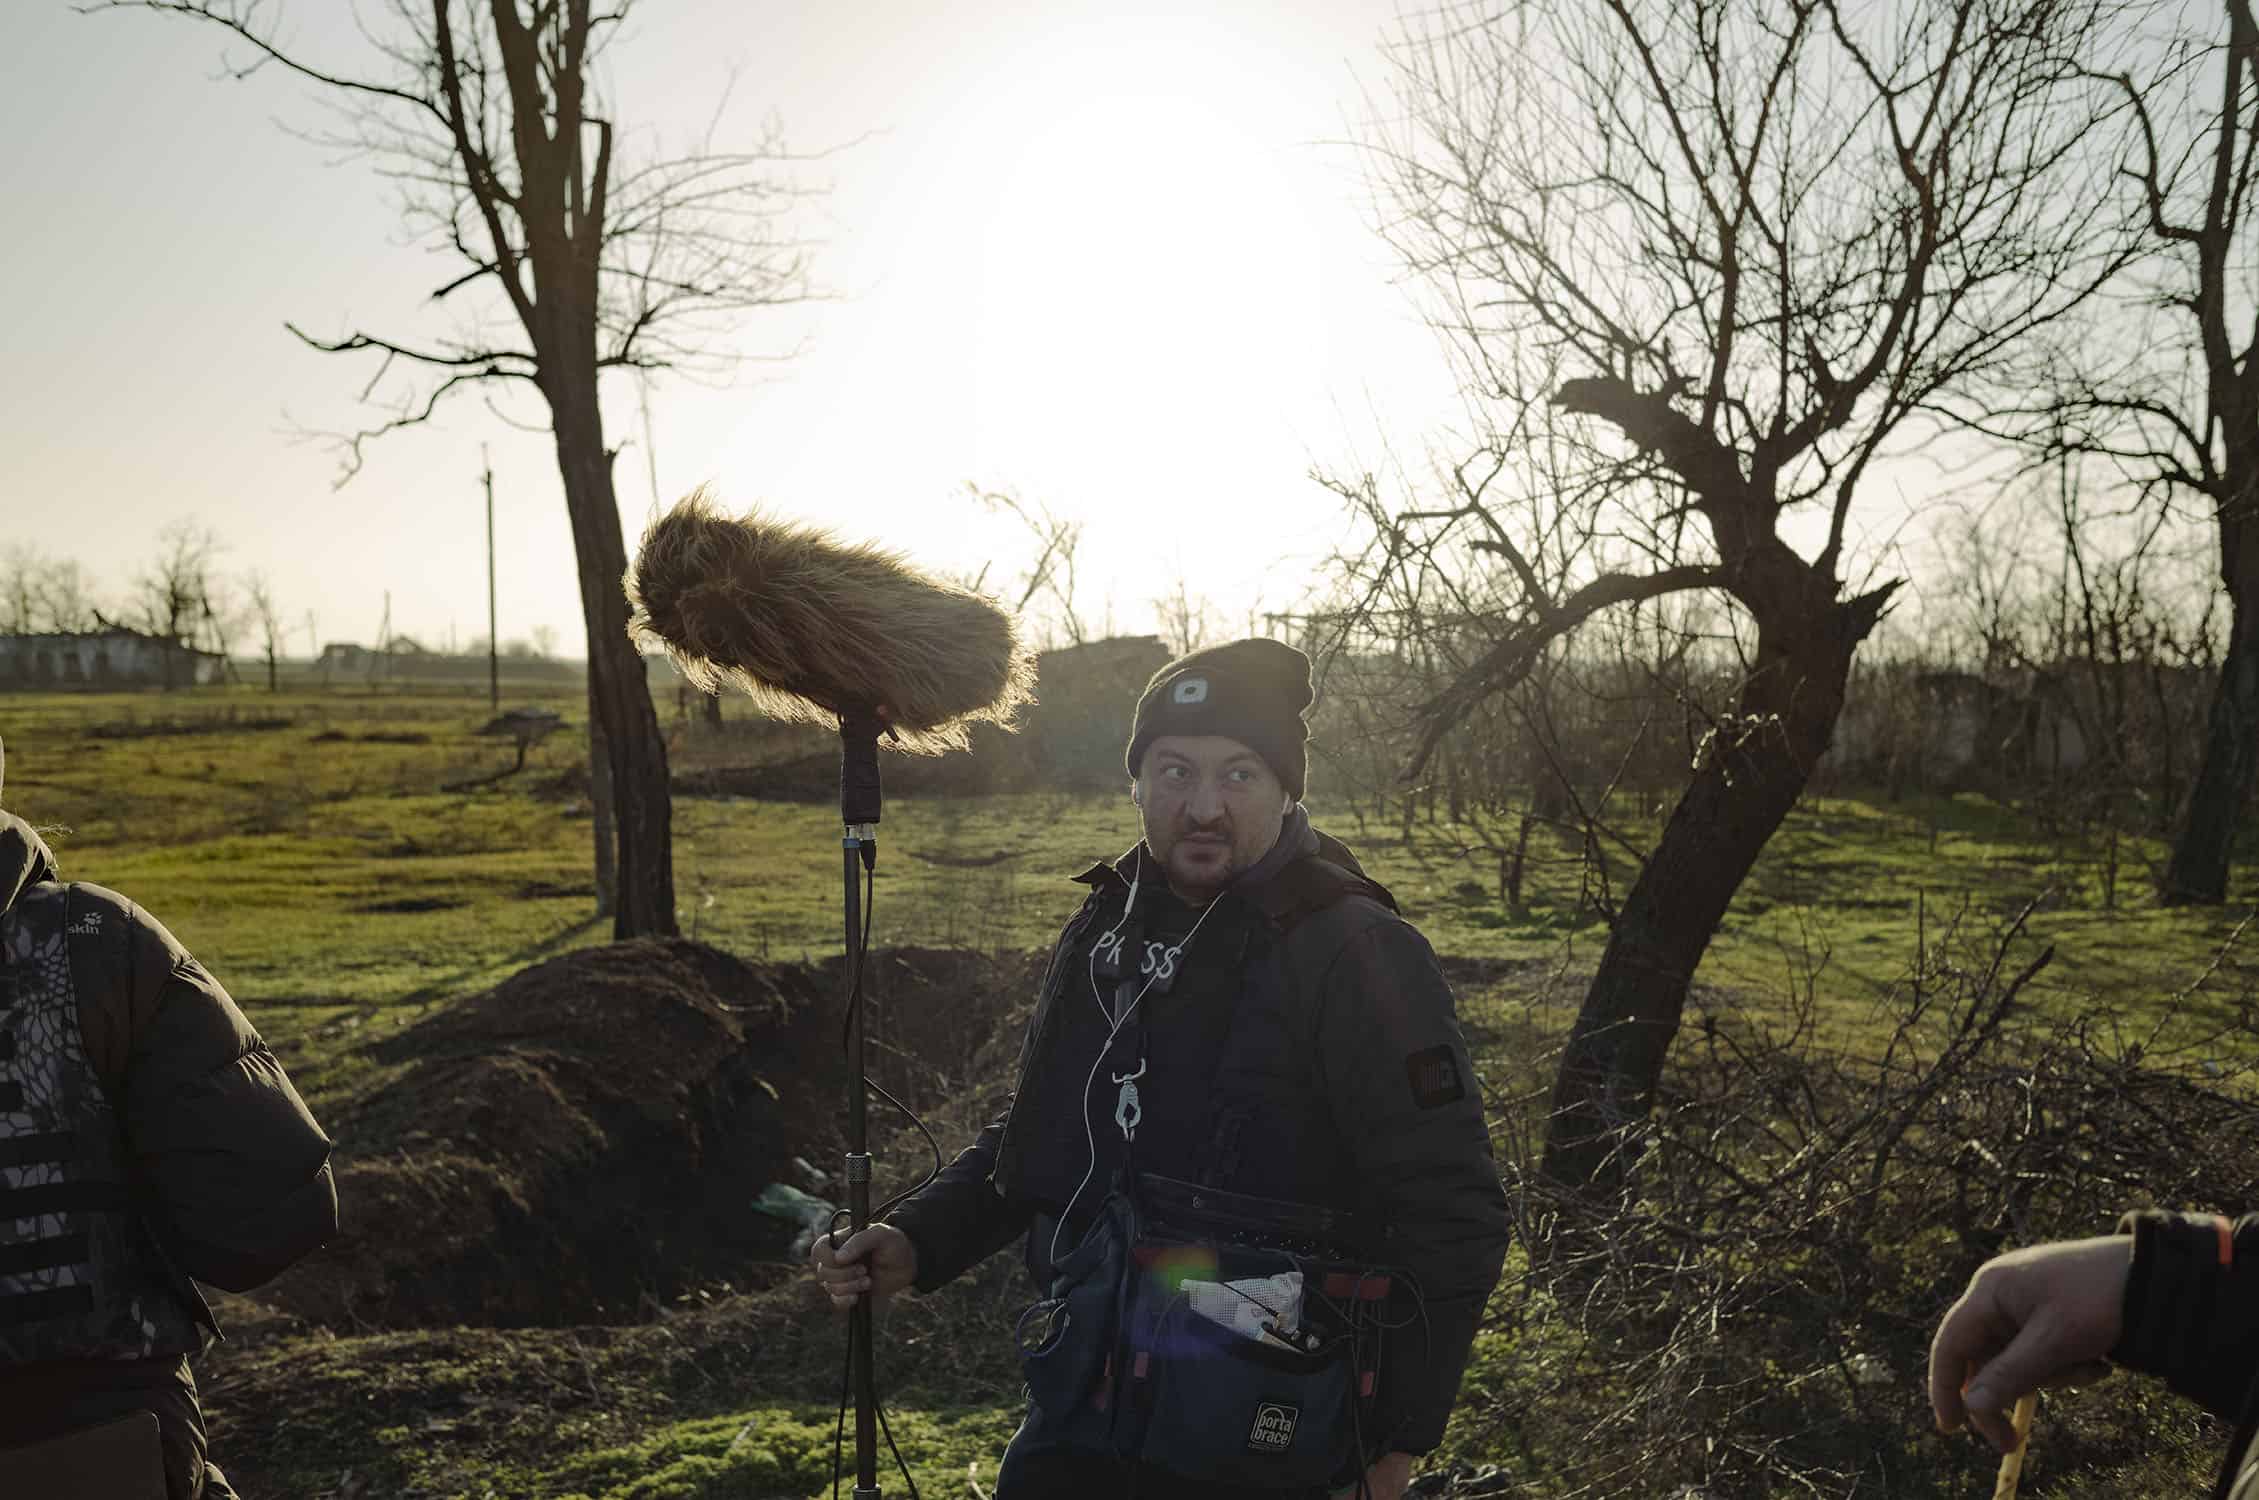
[(1197, 1211)]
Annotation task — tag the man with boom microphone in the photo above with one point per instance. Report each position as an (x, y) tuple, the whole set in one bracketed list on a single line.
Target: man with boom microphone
[(1247, 1144)]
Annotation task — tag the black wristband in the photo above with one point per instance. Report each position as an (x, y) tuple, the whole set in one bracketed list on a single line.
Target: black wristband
[(2170, 1289), (2131, 1349)]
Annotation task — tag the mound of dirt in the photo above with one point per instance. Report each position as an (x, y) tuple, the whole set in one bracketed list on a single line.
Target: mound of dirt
[(587, 1138)]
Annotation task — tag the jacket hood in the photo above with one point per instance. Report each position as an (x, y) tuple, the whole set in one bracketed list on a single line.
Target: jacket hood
[(25, 859), (1296, 840)]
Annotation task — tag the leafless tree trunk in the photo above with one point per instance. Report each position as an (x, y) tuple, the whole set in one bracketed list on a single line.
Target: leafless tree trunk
[(1703, 260), (600, 810), (2212, 238), (2163, 381), (486, 120), (269, 616)]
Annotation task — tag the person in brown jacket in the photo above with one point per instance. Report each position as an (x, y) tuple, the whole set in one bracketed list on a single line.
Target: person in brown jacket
[(148, 1141)]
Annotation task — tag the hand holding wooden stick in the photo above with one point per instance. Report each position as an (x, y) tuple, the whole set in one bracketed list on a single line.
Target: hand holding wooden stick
[(2012, 1462)]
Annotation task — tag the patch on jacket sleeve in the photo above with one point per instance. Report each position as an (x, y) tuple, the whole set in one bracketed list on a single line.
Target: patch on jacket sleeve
[(1435, 1078)]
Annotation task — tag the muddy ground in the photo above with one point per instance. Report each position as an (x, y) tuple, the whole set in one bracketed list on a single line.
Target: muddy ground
[(587, 1139), (548, 1210)]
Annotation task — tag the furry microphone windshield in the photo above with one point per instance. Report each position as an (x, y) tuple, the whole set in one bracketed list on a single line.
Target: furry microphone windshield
[(811, 629)]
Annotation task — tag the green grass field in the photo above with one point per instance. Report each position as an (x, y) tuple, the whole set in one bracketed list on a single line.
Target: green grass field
[(305, 846), (302, 846)]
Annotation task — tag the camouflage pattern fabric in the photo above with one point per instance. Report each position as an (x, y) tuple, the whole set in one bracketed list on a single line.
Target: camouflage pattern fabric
[(78, 1279)]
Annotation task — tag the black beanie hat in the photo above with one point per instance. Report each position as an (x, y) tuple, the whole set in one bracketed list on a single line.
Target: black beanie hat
[(1253, 691)]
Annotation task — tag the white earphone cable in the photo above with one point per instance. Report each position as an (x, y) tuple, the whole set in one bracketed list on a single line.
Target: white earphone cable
[(1114, 1029)]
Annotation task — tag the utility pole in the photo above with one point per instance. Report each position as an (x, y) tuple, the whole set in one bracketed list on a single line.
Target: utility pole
[(382, 657), (493, 646)]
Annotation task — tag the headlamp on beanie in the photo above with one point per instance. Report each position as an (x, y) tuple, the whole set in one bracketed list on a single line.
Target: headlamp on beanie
[(1253, 691)]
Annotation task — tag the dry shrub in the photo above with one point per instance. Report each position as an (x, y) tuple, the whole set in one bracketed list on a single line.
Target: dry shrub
[(1753, 1317)]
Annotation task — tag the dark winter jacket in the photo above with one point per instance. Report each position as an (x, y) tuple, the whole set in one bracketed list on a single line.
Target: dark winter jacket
[(2192, 1316), (159, 1131), (1308, 1051)]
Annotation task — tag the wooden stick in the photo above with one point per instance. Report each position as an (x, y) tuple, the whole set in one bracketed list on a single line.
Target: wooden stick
[(2012, 1462)]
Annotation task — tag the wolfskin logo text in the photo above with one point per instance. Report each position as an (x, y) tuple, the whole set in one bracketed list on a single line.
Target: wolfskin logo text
[(1273, 1431), (89, 925)]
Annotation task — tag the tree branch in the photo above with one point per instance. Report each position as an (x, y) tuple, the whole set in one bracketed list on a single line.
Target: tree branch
[(1510, 658), (355, 343), (413, 415), (236, 20)]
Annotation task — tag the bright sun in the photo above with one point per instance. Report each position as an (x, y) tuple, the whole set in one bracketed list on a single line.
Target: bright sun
[(1124, 278), (1139, 250)]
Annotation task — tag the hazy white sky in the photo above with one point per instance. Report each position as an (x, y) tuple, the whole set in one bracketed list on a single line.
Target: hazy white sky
[(1116, 262)]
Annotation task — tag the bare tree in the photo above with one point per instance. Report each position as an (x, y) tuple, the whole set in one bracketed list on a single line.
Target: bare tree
[(2164, 380), (66, 595), (1186, 622), (268, 617), (487, 116), (39, 593), (173, 595), (1701, 262), (1052, 572), (23, 571), (219, 614)]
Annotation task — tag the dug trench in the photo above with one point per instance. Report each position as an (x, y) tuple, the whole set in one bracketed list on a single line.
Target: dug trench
[(585, 1142)]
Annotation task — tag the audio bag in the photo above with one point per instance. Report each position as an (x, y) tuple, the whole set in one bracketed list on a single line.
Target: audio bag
[(1209, 1334), (1248, 1344)]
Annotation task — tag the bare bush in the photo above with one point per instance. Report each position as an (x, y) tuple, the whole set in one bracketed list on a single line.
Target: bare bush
[(1753, 1317)]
